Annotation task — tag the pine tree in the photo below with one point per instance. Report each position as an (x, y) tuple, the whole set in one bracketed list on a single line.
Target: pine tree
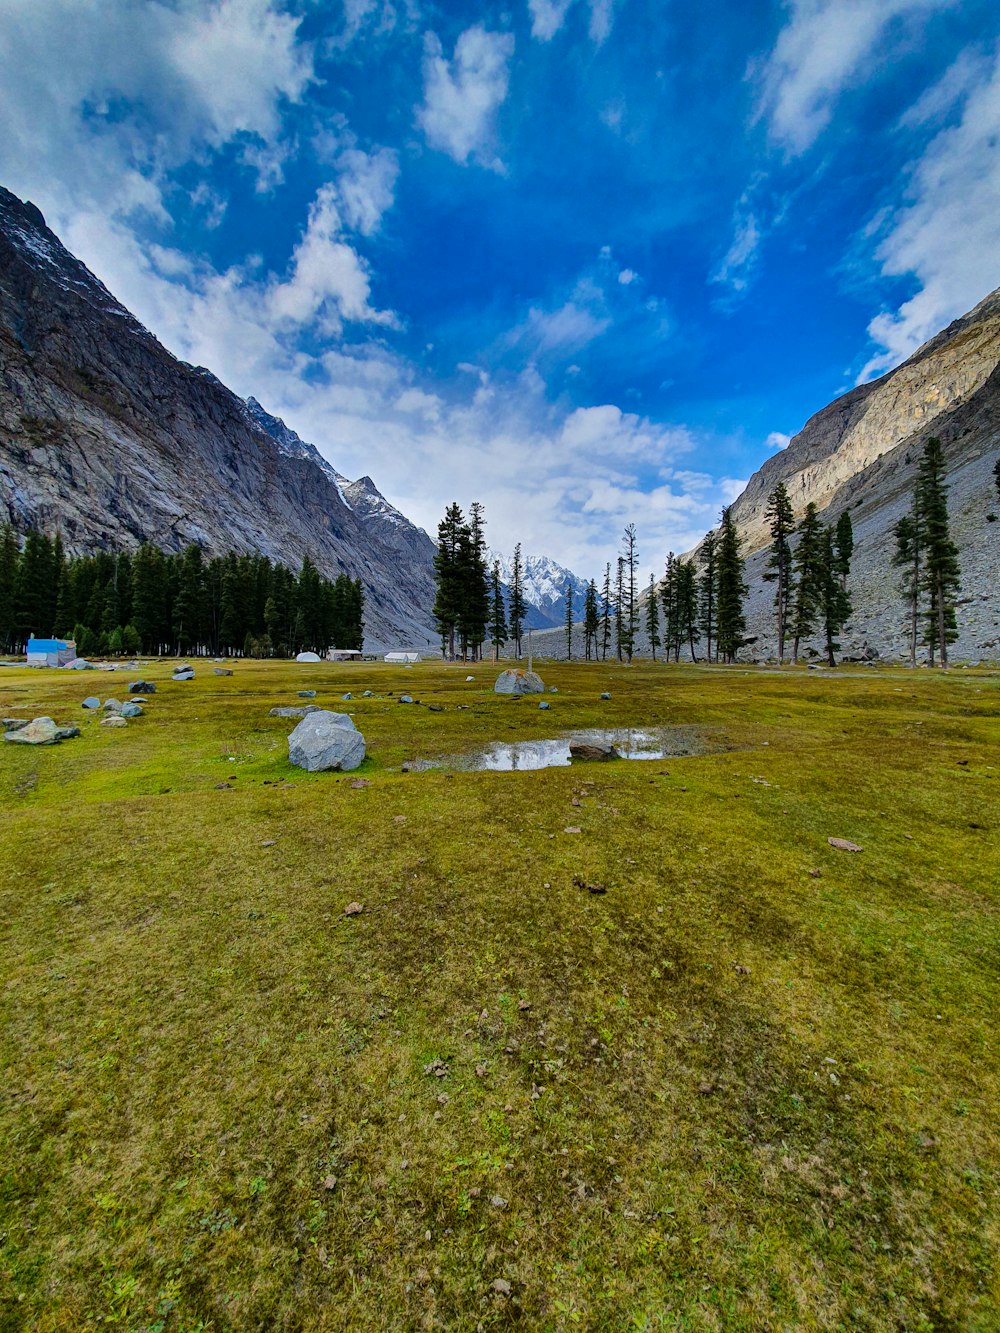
[(834, 601), (686, 599), (731, 589), (448, 568), (941, 574), (606, 612), (515, 604), (630, 613), (498, 620), (568, 620), (619, 610), (9, 558), (476, 599), (591, 622), (188, 609), (779, 565), (707, 603), (906, 556), (148, 609), (652, 616), (807, 562), (668, 596)]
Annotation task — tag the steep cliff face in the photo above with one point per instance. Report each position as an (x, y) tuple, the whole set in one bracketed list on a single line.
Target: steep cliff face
[(861, 454), (108, 437)]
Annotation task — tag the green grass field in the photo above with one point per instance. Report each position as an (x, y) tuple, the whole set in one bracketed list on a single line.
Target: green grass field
[(753, 1086)]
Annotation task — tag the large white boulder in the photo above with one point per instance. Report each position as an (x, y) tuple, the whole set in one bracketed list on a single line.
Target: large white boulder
[(325, 740), (515, 681)]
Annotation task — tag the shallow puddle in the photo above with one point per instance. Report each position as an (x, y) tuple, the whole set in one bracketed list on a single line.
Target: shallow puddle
[(521, 756)]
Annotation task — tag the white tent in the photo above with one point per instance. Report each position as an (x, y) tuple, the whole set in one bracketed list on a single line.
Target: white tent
[(401, 658), (307, 657)]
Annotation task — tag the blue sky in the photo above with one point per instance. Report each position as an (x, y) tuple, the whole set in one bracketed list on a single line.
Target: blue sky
[(589, 261)]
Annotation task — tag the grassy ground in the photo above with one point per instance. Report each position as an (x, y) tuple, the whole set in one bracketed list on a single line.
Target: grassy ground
[(754, 1085)]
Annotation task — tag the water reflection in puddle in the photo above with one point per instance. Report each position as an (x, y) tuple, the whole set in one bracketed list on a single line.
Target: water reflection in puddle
[(521, 756)]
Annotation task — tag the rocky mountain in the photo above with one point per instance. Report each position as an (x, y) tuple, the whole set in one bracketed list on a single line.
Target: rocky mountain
[(861, 454), (108, 437), (544, 586), (383, 521)]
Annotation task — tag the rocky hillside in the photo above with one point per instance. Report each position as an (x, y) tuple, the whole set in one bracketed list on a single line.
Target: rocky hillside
[(108, 437), (861, 453)]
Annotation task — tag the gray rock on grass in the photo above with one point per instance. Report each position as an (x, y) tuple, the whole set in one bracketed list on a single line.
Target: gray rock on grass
[(141, 687), (324, 741), (307, 694), (91, 702), (304, 711), (14, 723), (516, 681), (131, 709), (221, 671), (42, 731), (113, 705), (114, 721)]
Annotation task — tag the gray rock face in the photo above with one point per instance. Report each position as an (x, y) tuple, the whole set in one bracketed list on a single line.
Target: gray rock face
[(405, 699), (113, 705), (183, 675), (307, 694), (544, 705), (324, 741), (108, 437), (141, 687), (14, 723), (114, 721), (67, 733), (131, 710), (304, 711), (221, 671), (515, 681), (91, 702), (593, 750), (43, 731)]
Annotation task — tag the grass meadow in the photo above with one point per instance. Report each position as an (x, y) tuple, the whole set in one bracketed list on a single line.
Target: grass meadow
[(752, 1085)]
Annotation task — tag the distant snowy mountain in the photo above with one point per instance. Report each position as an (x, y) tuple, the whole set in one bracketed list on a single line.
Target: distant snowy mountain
[(544, 586)]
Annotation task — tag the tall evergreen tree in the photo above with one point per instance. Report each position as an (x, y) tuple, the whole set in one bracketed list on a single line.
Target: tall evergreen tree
[(668, 596), (707, 601), (807, 561), (652, 616), (10, 553), (606, 612), (843, 542), (476, 600), (591, 622), (515, 605), (568, 619), (941, 574), (906, 556), (686, 600), (834, 600), (448, 568), (630, 616), (779, 564), (498, 619), (619, 610), (731, 589)]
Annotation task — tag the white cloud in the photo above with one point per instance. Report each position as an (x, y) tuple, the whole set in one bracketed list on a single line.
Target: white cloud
[(565, 329), (200, 76), (329, 280), (462, 95), (366, 187), (627, 276), (947, 234), (819, 53), (735, 269), (778, 440), (548, 17)]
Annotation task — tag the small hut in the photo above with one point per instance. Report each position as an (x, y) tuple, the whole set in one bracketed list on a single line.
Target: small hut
[(50, 652)]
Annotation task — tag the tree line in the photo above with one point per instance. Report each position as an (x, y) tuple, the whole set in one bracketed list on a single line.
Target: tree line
[(158, 603)]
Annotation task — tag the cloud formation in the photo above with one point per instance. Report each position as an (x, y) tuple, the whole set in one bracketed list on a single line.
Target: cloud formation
[(819, 54), (462, 95), (947, 233)]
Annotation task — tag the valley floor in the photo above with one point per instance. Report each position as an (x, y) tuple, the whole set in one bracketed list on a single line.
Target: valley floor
[(753, 1085)]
